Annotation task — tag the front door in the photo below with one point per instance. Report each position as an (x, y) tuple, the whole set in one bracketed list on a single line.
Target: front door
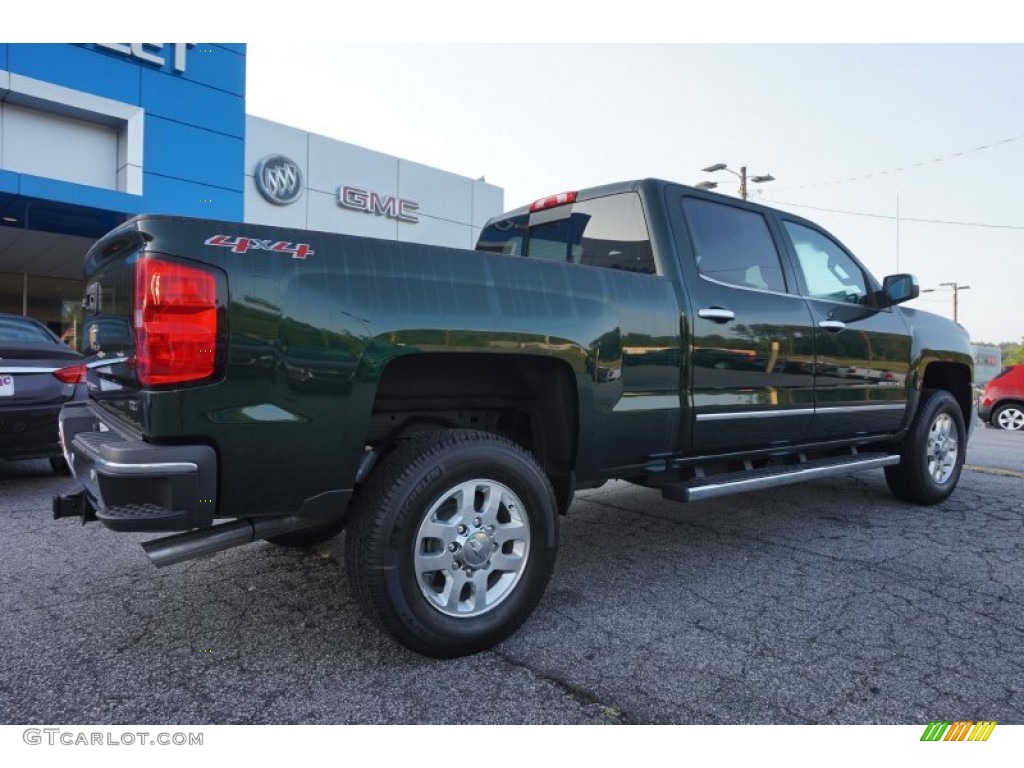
[(862, 352)]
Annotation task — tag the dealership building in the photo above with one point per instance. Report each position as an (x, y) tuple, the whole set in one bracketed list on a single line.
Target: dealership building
[(94, 133)]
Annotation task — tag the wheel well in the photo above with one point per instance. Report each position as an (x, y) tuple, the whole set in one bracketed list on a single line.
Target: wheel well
[(530, 400), (1007, 401), (955, 379)]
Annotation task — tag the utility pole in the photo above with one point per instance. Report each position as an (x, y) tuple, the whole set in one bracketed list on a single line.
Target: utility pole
[(742, 176), (956, 287), (956, 298)]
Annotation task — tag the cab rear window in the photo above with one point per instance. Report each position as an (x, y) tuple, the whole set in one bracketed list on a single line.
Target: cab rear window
[(609, 232)]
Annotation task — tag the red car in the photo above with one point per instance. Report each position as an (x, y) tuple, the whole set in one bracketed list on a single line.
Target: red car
[(38, 374), (1002, 402)]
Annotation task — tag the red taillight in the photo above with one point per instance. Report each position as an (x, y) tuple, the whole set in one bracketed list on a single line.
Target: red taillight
[(554, 200), (175, 322), (74, 374)]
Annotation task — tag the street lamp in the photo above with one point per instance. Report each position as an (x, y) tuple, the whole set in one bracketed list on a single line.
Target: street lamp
[(956, 296), (742, 176)]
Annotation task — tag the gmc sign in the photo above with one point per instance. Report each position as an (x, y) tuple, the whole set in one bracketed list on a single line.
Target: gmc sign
[(356, 199)]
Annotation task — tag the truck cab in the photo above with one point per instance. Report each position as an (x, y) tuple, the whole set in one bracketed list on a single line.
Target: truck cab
[(785, 339)]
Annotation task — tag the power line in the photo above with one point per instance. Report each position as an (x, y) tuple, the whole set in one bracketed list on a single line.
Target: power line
[(902, 168), (899, 218)]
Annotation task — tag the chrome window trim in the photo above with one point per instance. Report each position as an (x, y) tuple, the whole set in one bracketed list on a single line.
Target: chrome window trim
[(724, 284)]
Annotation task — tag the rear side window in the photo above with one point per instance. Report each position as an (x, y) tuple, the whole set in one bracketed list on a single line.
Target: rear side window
[(733, 245), (609, 232)]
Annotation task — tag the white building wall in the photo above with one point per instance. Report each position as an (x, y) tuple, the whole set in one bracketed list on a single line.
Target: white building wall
[(488, 201), (58, 147), (451, 210), (263, 138)]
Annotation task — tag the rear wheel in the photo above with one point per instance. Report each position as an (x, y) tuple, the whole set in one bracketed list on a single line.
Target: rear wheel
[(452, 541), (932, 454), (1010, 416)]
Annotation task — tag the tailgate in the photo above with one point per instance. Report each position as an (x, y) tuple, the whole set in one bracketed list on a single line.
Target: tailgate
[(108, 338)]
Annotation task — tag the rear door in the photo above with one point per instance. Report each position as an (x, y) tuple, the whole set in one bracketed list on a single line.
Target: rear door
[(751, 356)]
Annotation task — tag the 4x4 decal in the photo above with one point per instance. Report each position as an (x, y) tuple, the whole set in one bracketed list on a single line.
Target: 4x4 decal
[(243, 244)]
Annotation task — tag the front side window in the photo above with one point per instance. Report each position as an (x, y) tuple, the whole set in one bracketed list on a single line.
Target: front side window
[(829, 272), (609, 232), (733, 245)]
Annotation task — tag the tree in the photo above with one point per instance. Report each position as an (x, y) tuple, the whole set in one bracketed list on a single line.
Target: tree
[(1013, 352)]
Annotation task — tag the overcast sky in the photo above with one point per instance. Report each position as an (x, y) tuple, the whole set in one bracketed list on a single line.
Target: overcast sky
[(890, 139)]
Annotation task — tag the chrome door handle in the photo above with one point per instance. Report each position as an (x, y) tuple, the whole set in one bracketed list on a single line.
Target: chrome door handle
[(717, 314), (832, 325)]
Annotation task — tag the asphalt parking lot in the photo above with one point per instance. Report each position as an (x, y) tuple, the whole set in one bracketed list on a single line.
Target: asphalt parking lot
[(828, 602)]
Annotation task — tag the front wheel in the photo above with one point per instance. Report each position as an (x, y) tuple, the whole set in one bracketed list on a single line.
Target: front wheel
[(932, 454), (452, 541), (1009, 417)]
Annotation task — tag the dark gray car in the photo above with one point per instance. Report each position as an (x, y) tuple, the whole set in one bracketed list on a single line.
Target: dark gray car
[(38, 374)]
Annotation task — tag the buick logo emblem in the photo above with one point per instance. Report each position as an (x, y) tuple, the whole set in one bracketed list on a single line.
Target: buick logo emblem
[(278, 179)]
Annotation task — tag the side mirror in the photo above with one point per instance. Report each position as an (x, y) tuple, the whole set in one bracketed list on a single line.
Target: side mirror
[(899, 288)]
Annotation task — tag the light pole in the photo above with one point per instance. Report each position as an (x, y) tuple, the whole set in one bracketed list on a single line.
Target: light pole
[(956, 296), (742, 176)]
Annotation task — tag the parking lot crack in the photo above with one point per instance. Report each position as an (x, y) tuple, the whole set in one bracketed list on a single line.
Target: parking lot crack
[(587, 700)]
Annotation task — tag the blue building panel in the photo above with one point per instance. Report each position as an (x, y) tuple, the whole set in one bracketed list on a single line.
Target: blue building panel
[(217, 66), (192, 154), (78, 194), (77, 67), (9, 182), (184, 198), (197, 105)]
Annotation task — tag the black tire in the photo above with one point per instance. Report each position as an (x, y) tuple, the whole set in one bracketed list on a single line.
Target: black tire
[(489, 577), (309, 537), (60, 465), (932, 454), (1009, 416)]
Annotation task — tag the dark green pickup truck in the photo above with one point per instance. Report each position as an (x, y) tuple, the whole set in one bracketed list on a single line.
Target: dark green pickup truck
[(248, 382)]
